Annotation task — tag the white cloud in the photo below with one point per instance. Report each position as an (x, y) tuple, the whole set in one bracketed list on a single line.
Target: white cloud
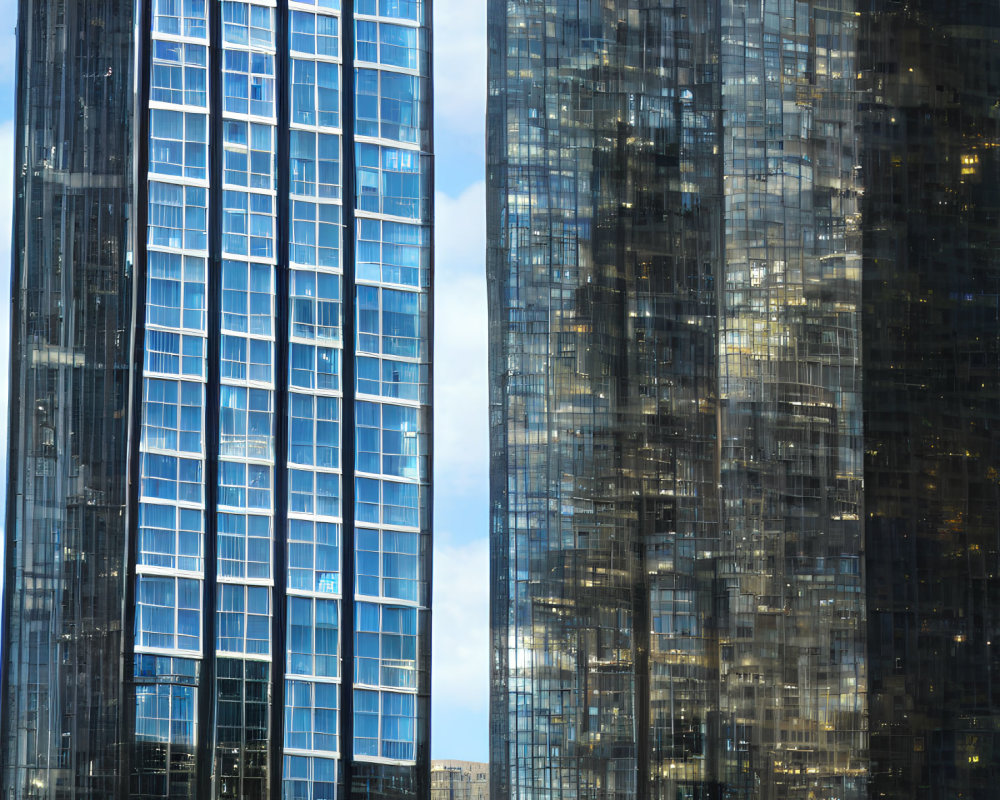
[(460, 669), (461, 446), (460, 666), (460, 65)]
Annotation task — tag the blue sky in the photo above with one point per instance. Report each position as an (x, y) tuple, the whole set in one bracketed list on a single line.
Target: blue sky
[(461, 560)]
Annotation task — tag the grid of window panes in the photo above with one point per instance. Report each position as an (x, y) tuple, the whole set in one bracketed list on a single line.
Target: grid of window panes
[(170, 567), (315, 395), (245, 513), (392, 268), (391, 463)]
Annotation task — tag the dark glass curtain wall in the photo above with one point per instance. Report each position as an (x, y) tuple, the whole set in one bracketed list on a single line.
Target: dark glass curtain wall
[(743, 280), (69, 385)]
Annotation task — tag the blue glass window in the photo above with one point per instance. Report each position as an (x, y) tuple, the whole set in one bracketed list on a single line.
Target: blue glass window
[(178, 143), (315, 164), (311, 717), (180, 17), (314, 556), (313, 637), (390, 570), (244, 485), (367, 437), (165, 352), (366, 498), (368, 375), (164, 713), (366, 34), (247, 24), (244, 619), (400, 107), (246, 359), (400, 504), (400, 379), (314, 492), (315, 93), (315, 234), (244, 546), (172, 413), (366, 643), (402, 323), (399, 648), (400, 564), (247, 297), (175, 290), (170, 537), (310, 778), (248, 154), (403, 380), (398, 725), (315, 302), (366, 102), (314, 33), (177, 216), (246, 422), (247, 224), (393, 252), (403, 187), (248, 83), (392, 98), (402, 9), (312, 367), (171, 478), (168, 612), (366, 562), (366, 722), (385, 644), (391, 180), (303, 162), (398, 46), (400, 455), (314, 435), (179, 73)]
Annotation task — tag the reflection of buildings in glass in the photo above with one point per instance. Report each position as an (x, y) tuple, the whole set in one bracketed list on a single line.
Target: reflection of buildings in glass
[(604, 225), (792, 671), (460, 780), (178, 440), (675, 258)]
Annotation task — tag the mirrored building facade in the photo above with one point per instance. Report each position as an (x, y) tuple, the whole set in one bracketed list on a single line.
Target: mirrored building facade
[(743, 371), (218, 532)]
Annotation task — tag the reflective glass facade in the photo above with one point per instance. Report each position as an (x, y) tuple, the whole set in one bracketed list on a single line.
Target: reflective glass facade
[(69, 396), (743, 371), (272, 413)]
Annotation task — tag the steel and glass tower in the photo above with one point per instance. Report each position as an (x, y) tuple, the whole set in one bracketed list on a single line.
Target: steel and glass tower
[(218, 527), (743, 289)]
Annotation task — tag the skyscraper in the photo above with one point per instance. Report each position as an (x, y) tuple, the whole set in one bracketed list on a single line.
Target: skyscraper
[(931, 348), (743, 375), (204, 209)]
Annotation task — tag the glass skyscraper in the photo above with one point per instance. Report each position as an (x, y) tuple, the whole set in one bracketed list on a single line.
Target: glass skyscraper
[(218, 530), (743, 279)]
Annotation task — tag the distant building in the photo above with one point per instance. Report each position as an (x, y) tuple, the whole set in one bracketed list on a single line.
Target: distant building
[(460, 780)]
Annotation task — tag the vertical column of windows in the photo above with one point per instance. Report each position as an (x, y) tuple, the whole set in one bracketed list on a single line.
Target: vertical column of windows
[(392, 260), (170, 565), (315, 396), (247, 383)]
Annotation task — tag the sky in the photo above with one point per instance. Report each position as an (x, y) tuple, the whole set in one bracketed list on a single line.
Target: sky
[(460, 664)]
